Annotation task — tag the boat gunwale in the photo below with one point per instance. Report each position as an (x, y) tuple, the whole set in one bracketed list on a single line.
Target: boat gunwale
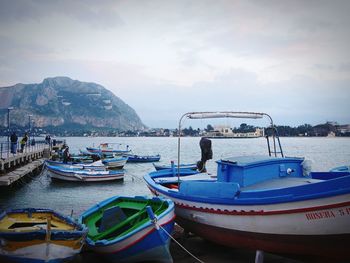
[(264, 196), (78, 230), (98, 173)]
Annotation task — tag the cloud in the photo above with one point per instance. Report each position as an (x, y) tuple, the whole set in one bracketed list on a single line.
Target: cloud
[(288, 58), (101, 14)]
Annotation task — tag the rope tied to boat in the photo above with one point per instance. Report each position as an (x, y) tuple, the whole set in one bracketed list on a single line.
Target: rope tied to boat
[(181, 246)]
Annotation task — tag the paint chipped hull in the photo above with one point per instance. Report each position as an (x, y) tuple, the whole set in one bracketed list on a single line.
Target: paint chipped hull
[(39, 235)]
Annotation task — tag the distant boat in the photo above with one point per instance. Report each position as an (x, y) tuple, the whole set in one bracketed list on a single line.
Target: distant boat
[(270, 203), (83, 175), (191, 166), (344, 168), (39, 235), (130, 229), (133, 158), (106, 148)]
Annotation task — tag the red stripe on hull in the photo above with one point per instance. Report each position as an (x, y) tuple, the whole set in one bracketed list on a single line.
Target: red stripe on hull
[(326, 246), (262, 212)]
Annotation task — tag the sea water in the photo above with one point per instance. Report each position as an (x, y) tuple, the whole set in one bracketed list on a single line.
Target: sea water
[(75, 197)]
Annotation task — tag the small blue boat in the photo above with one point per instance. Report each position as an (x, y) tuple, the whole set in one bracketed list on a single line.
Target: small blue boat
[(191, 166), (142, 158), (130, 229), (344, 168)]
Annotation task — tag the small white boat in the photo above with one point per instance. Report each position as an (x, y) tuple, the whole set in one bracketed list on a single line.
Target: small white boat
[(115, 162), (83, 175)]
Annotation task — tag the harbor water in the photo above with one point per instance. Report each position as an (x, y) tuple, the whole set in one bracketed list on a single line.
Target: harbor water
[(71, 198), (324, 154)]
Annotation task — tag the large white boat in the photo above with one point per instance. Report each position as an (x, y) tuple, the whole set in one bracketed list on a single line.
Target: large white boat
[(271, 203)]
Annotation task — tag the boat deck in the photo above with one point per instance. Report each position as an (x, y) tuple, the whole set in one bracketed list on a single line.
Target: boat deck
[(194, 177), (282, 182)]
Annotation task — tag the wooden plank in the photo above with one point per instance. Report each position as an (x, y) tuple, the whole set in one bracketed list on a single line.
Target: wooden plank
[(18, 173)]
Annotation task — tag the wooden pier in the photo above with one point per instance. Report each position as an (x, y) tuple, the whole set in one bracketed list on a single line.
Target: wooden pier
[(15, 166)]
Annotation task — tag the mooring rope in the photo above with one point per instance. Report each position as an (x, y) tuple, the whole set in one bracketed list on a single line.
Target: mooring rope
[(188, 252)]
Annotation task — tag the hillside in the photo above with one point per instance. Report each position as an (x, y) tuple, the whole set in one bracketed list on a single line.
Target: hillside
[(63, 102)]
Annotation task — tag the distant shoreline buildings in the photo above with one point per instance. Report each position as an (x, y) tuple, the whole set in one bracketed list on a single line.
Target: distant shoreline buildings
[(329, 129)]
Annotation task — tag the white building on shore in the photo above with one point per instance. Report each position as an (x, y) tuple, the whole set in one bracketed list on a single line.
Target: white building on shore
[(222, 131)]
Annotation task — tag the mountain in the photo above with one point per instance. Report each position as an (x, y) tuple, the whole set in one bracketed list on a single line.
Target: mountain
[(63, 102)]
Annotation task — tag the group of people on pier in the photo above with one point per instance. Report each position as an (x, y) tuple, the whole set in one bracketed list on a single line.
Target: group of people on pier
[(22, 142)]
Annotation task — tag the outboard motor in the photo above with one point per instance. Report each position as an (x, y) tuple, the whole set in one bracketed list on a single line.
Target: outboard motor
[(206, 150), (207, 154)]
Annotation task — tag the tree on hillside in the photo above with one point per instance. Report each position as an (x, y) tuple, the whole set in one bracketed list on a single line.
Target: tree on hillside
[(209, 128)]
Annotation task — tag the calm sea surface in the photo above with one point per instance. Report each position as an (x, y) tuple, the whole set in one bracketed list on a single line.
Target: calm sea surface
[(41, 192)]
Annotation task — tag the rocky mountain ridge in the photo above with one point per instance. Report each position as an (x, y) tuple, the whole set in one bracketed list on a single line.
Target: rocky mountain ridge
[(61, 101)]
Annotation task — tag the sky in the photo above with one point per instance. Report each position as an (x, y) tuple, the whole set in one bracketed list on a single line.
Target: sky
[(164, 58)]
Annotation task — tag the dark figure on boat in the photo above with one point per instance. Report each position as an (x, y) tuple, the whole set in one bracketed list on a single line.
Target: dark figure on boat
[(66, 155), (207, 154)]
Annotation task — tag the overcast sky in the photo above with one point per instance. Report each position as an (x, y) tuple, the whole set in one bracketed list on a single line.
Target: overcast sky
[(290, 59)]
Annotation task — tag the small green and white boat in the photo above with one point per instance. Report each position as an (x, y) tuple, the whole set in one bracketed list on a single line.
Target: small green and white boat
[(130, 229)]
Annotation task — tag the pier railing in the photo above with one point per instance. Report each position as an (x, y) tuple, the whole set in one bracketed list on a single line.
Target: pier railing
[(10, 150)]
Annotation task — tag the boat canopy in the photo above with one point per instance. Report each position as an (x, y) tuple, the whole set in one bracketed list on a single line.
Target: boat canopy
[(233, 114)]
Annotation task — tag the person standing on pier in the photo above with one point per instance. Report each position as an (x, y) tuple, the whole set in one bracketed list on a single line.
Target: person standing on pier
[(24, 141), (14, 139)]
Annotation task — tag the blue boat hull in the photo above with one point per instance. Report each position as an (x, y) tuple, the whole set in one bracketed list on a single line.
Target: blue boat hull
[(143, 159), (266, 204), (154, 247)]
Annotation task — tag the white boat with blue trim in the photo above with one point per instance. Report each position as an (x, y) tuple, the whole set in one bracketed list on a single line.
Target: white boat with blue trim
[(271, 203), (77, 174)]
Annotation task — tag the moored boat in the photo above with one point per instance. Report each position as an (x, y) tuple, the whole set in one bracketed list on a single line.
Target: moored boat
[(133, 158), (115, 162), (266, 203), (191, 166), (39, 235), (83, 175), (130, 229), (98, 165), (107, 148), (344, 168)]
